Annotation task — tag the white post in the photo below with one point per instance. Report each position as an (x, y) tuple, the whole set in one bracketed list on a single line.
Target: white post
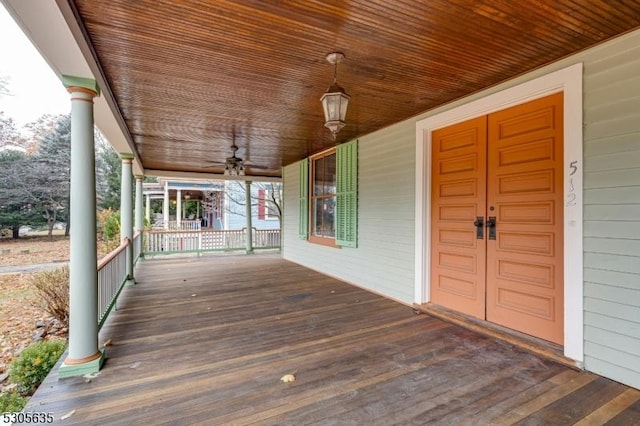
[(139, 222), (147, 208), (248, 214), (178, 208), (126, 209), (165, 206), (83, 356)]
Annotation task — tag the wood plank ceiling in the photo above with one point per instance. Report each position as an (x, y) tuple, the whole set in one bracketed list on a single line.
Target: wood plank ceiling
[(187, 75)]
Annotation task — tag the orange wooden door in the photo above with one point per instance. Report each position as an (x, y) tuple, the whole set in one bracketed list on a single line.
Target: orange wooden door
[(506, 168), (525, 194), (458, 189)]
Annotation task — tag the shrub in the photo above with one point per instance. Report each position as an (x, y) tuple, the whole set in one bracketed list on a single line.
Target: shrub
[(11, 402), (111, 229), (52, 288), (33, 364)]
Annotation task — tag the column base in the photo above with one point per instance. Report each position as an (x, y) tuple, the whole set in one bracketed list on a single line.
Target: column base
[(73, 370), (129, 282)]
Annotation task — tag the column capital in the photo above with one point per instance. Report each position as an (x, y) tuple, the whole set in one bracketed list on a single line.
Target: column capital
[(81, 84), (139, 177)]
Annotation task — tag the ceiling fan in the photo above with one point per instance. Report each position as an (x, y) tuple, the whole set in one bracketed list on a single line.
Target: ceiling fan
[(234, 166)]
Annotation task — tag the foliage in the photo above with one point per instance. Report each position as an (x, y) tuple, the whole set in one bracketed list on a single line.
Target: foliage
[(109, 173), (9, 134), (109, 229), (50, 170), (12, 402), (52, 287), (35, 187), (4, 86), (15, 211), (33, 364)]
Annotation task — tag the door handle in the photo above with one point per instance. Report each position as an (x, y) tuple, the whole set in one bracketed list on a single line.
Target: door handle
[(479, 224), (491, 227)]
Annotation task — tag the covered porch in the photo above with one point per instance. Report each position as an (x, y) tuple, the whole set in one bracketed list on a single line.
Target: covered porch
[(206, 340)]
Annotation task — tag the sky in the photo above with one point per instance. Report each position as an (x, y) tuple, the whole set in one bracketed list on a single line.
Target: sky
[(35, 88)]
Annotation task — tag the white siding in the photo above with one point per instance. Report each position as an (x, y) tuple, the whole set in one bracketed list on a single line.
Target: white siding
[(383, 260), (612, 210)]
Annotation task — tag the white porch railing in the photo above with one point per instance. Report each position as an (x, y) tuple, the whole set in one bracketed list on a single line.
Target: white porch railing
[(169, 242), (266, 238), (137, 246), (185, 225), (112, 275)]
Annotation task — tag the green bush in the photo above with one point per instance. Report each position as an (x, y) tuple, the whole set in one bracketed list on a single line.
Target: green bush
[(11, 402), (53, 288), (111, 228), (33, 364)]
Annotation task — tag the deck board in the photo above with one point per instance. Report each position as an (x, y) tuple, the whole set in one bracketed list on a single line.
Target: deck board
[(205, 341)]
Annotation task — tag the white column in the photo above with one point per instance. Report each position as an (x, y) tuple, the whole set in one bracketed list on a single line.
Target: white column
[(126, 210), (83, 356), (248, 214), (178, 208), (147, 208), (165, 206), (139, 223)]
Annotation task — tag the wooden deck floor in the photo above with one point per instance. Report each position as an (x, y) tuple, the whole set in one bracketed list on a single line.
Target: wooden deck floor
[(206, 341)]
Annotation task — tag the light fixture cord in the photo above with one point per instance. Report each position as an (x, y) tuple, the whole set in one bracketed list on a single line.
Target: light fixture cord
[(335, 73)]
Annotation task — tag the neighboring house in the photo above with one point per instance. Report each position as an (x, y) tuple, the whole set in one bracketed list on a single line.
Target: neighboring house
[(264, 212), (570, 220)]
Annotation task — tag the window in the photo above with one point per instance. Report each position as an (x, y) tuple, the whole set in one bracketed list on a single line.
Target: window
[(267, 208), (328, 196), (322, 203)]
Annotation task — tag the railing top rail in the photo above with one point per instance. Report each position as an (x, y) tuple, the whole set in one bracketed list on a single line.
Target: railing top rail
[(109, 257), (193, 231)]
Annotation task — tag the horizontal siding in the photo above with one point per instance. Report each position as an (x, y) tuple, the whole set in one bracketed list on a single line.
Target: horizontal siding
[(612, 210), (620, 195), (611, 278), (383, 261), (616, 246)]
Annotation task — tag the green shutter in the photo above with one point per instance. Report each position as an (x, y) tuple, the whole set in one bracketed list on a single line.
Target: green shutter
[(303, 222), (347, 194)]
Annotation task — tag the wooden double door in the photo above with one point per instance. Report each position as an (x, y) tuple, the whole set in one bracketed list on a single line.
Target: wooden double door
[(497, 218)]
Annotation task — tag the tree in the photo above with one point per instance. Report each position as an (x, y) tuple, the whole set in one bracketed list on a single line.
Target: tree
[(15, 210), (35, 187), (109, 172), (51, 169), (4, 86), (9, 134)]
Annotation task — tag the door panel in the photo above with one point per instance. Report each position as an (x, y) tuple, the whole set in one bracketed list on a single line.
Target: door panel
[(508, 166), (458, 188), (525, 190)]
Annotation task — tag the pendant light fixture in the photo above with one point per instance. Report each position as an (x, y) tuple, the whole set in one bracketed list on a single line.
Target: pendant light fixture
[(335, 99)]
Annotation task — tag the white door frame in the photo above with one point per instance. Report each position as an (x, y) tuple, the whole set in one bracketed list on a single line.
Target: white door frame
[(569, 81)]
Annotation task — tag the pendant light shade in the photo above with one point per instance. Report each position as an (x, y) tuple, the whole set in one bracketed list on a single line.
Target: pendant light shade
[(335, 100)]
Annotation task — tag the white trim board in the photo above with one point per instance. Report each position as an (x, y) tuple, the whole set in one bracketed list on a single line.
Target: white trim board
[(569, 81)]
